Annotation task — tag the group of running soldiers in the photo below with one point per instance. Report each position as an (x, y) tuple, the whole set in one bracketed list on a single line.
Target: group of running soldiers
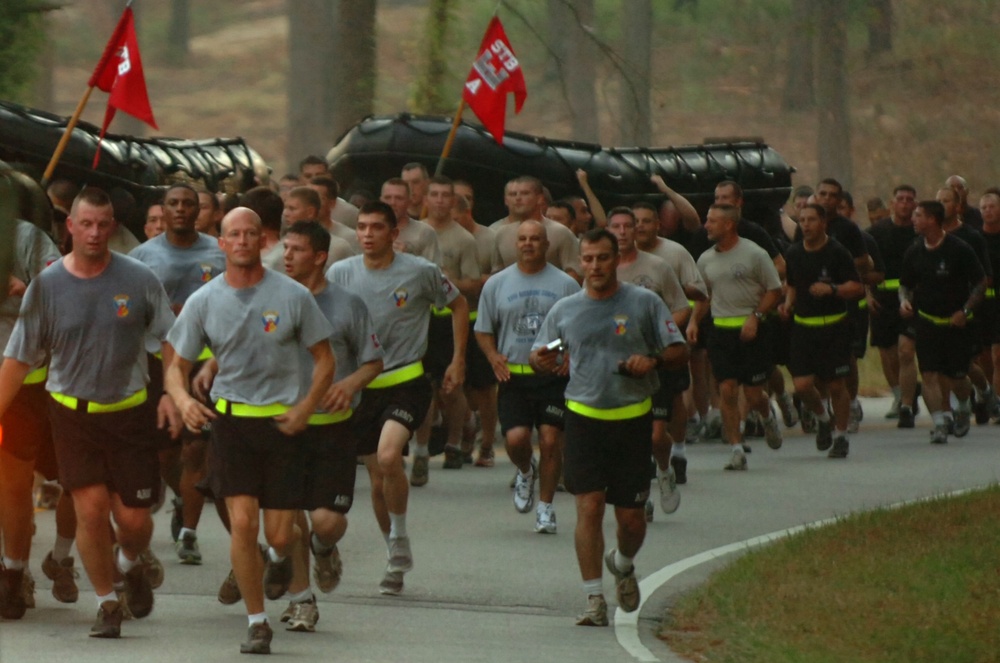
[(340, 333)]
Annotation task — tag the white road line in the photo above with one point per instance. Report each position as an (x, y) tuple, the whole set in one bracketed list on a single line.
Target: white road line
[(627, 623)]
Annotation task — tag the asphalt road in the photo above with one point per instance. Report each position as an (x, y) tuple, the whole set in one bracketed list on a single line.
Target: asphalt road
[(485, 587)]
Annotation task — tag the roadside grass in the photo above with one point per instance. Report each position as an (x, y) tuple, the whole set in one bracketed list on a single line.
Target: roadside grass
[(911, 585)]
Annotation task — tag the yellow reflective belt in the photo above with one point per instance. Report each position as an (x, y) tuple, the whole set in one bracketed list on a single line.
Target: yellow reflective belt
[(135, 400), (326, 418), (397, 376), (440, 312), (991, 293), (942, 322), (37, 375), (820, 320), (473, 315), (734, 322), (692, 303), (520, 369), (244, 410), (612, 414), (889, 284), (862, 303)]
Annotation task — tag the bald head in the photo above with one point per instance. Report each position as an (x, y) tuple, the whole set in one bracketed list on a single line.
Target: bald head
[(239, 216)]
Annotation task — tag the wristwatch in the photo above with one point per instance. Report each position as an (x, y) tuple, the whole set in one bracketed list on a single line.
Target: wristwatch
[(966, 311), (758, 315)]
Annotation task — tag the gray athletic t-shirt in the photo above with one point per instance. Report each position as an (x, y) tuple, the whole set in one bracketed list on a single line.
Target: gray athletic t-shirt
[(33, 252), (737, 278), (418, 239), (94, 328), (353, 339), (681, 262), (599, 333), (256, 335), (399, 298), (654, 274), (182, 270), (564, 247), (513, 305)]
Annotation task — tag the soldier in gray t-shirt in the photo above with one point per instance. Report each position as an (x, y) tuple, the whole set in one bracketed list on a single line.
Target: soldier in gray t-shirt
[(399, 290), (256, 323), (91, 311), (616, 336), (511, 309)]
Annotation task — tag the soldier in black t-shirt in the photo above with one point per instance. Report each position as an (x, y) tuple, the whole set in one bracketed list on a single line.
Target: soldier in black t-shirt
[(940, 284), (989, 324), (822, 278)]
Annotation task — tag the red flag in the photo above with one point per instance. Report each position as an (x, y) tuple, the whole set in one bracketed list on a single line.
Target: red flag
[(495, 74), (119, 72)]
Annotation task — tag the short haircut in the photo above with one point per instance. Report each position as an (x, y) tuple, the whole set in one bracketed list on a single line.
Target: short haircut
[(528, 179), (266, 204), (443, 180), (566, 205), (462, 203), (313, 160), (397, 181), (934, 209), (904, 187), (378, 207), (848, 198), (819, 209), (646, 205), (622, 209), (991, 193), (180, 185), (731, 212), (802, 191), (289, 177), (63, 190), (92, 196), (737, 189), (829, 181), (318, 236), (993, 189), (875, 204), (307, 195), (595, 235), (214, 198), (328, 183), (416, 165)]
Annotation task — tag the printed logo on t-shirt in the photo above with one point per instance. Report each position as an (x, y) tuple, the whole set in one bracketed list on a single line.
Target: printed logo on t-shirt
[(270, 319), (121, 305), (644, 281), (400, 295), (206, 272), (739, 270), (942, 269), (672, 328), (375, 342), (621, 325)]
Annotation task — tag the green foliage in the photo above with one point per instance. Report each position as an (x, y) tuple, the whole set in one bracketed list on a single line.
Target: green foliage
[(22, 35)]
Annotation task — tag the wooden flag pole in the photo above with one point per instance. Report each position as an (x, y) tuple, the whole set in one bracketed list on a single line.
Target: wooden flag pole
[(64, 141), (451, 138)]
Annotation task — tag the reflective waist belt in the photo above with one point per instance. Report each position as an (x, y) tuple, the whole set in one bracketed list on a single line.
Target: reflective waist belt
[(612, 414), (73, 403), (692, 303), (440, 312), (734, 322), (942, 322), (326, 418), (397, 376), (820, 320), (889, 284), (991, 293), (205, 355), (473, 315), (37, 375), (862, 303), (244, 410), (520, 369)]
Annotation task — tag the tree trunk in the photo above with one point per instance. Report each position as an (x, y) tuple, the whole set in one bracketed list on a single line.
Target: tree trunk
[(637, 124), (581, 66), (428, 95), (879, 27), (179, 33), (801, 37), (832, 92), (354, 57), (559, 18), (311, 36)]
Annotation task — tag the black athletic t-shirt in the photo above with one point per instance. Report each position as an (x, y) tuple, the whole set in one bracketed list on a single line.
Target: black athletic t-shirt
[(941, 278), (973, 217), (831, 264), (878, 264), (893, 241), (844, 231), (974, 238), (746, 229)]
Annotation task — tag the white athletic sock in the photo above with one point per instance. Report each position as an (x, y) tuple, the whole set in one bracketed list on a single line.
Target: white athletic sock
[(60, 550), (385, 535), (622, 563), (897, 392), (301, 597), (421, 450), (841, 433), (678, 449), (187, 530), (104, 599), (14, 564), (938, 418), (397, 525), (317, 546), (273, 555), (964, 406), (124, 563), (259, 618), (592, 587), (823, 416)]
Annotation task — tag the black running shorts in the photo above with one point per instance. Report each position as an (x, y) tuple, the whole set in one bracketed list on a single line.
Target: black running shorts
[(610, 457)]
